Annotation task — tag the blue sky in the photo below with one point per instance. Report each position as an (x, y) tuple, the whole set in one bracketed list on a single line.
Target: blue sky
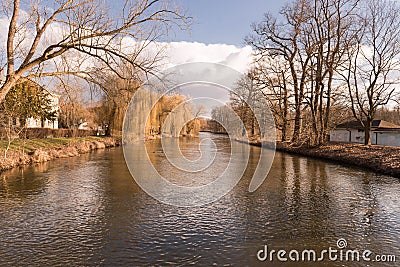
[(216, 35), (224, 21)]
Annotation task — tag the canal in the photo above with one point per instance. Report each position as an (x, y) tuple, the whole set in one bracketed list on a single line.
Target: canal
[(88, 211)]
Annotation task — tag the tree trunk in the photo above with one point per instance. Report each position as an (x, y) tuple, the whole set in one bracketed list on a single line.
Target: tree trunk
[(367, 129), (4, 90), (297, 124), (111, 120), (328, 107), (285, 109), (284, 130)]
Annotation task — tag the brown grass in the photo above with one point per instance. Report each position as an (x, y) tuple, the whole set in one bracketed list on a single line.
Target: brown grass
[(29, 151), (380, 159)]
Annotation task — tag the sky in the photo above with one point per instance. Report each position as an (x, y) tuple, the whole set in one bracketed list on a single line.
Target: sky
[(218, 21), (224, 21), (217, 31), (216, 34)]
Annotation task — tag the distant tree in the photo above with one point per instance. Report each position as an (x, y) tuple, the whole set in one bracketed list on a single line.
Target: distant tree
[(194, 125), (281, 39), (389, 114), (25, 100), (244, 98), (226, 120), (371, 71), (220, 119), (296, 58), (72, 114), (117, 93)]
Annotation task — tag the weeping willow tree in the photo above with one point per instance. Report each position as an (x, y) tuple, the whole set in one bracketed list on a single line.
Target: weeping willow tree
[(172, 116), (168, 115)]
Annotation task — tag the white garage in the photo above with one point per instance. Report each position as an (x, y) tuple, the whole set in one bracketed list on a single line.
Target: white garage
[(382, 133)]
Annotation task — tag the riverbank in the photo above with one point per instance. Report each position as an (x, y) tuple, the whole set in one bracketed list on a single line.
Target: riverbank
[(379, 159), (24, 152)]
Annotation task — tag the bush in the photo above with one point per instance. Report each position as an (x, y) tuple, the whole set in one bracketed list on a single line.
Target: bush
[(38, 133)]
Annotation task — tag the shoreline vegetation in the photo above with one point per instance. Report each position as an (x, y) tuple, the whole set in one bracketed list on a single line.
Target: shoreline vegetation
[(379, 159), (25, 152)]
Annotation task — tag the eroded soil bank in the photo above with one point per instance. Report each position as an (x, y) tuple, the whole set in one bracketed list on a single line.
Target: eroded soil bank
[(380, 159), (42, 150)]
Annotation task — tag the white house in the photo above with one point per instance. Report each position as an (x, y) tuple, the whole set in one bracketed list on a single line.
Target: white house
[(382, 133), (38, 123)]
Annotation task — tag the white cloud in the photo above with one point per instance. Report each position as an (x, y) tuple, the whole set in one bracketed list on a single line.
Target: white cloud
[(238, 58), (174, 53)]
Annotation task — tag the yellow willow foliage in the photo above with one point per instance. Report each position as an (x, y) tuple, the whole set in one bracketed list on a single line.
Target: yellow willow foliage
[(163, 108)]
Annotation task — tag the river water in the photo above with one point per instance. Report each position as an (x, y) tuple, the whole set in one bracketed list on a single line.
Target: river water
[(88, 211)]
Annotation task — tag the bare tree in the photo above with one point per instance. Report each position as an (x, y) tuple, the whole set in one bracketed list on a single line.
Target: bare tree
[(58, 39), (325, 37), (372, 66), (221, 119), (296, 62), (117, 94), (281, 39), (245, 100), (272, 78)]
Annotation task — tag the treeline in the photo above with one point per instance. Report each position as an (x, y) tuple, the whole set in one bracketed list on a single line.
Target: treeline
[(98, 52), (109, 114), (324, 61)]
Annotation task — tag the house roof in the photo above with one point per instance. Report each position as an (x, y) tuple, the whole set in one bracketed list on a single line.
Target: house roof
[(376, 125)]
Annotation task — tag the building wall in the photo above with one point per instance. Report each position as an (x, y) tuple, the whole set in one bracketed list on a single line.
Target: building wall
[(386, 138), (339, 136), (357, 136), (347, 136), (37, 123), (33, 123)]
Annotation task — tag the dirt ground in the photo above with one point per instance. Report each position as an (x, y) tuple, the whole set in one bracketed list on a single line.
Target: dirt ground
[(380, 159)]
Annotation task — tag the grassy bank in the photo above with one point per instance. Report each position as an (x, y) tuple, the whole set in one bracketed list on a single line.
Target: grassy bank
[(30, 151), (379, 159)]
